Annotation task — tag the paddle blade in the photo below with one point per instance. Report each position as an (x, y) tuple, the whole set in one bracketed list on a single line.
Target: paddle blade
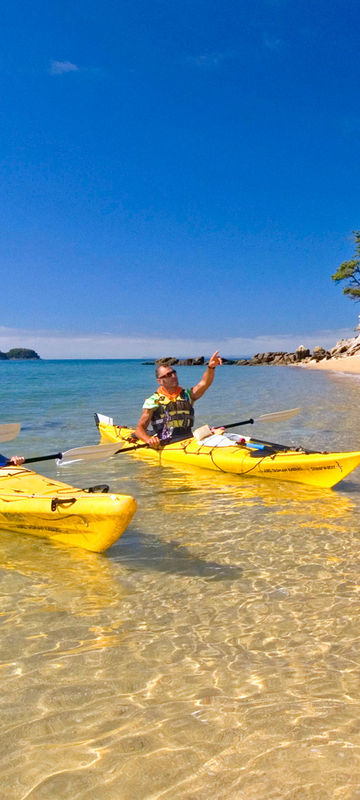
[(277, 416), (95, 452), (9, 431)]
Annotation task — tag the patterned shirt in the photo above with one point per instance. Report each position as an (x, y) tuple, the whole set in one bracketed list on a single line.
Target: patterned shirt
[(153, 401)]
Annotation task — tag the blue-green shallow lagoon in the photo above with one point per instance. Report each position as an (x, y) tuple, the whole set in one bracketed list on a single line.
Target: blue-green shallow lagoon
[(214, 651)]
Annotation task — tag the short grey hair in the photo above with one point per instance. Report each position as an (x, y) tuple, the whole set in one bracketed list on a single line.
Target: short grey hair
[(165, 366)]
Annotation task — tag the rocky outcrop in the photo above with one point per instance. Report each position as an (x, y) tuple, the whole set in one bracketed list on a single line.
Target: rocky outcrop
[(169, 361), (346, 347), (277, 358), (302, 355), (319, 353), (192, 362)]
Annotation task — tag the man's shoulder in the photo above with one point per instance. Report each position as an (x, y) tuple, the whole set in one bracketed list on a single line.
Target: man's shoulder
[(151, 402), (188, 394)]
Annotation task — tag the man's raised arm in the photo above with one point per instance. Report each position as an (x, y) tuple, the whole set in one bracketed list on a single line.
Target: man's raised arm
[(207, 378)]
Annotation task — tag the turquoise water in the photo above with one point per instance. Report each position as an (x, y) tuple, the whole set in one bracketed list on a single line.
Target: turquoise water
[(214, 651)]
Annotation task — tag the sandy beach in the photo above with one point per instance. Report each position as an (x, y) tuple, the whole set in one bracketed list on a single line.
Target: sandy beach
[(349, 364)]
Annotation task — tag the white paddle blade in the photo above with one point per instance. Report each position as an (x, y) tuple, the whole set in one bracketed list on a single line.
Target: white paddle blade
[(277, 416), (9, 431), (95, 452)]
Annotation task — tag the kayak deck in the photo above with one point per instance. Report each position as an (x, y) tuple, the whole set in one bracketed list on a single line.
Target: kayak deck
[(254, 459), (33, 504)]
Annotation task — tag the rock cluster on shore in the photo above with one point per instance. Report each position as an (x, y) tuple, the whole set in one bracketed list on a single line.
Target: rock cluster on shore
[(303, 355)]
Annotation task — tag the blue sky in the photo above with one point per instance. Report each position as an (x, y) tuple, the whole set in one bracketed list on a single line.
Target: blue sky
[(184, 173)]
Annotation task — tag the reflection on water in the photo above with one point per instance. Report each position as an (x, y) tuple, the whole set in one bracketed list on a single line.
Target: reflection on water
[(214, 651)]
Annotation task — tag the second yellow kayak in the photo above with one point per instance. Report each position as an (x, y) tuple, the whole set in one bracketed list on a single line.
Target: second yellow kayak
[(33, 504)]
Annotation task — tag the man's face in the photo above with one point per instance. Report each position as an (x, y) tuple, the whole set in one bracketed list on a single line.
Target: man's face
[(168, 378)]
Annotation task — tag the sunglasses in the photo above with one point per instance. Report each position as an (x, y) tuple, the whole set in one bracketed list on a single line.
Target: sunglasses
[(167, 374)]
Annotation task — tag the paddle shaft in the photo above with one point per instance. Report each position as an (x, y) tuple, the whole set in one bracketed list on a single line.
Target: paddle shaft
[(236, 424), (4, 461), (139, 446), (250, 421), (51, 457), (88, 453), (263, 418)]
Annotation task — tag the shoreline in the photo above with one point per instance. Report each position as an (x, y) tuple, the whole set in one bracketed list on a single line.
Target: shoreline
[(349, 364)]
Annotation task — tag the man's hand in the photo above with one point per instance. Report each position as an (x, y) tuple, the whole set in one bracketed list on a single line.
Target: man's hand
[(141, 430), (154, 442), (16, 461), (215, 360)]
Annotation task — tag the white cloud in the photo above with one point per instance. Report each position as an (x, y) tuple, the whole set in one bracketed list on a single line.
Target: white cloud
[(55, 344), (61, 67)]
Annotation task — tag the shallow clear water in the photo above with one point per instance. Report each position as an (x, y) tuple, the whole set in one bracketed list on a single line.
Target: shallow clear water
[(214, 651)]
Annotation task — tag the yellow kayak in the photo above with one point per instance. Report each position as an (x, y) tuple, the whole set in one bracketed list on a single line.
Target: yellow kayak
[(254, 459), (33, 504)]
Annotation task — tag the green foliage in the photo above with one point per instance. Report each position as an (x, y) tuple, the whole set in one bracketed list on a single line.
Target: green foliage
[(350, 271), (21, 352), (18, 353)]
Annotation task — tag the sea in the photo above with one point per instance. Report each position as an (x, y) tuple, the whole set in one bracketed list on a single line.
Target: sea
[(214, 650)]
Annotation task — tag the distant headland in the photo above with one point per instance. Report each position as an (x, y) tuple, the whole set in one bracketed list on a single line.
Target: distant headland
[(19, 354)]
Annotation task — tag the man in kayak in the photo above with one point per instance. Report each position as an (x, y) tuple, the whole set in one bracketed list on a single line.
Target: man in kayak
[(170, 409)]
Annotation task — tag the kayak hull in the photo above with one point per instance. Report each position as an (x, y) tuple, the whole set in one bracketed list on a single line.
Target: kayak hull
[(39, 506), (323, 470)]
